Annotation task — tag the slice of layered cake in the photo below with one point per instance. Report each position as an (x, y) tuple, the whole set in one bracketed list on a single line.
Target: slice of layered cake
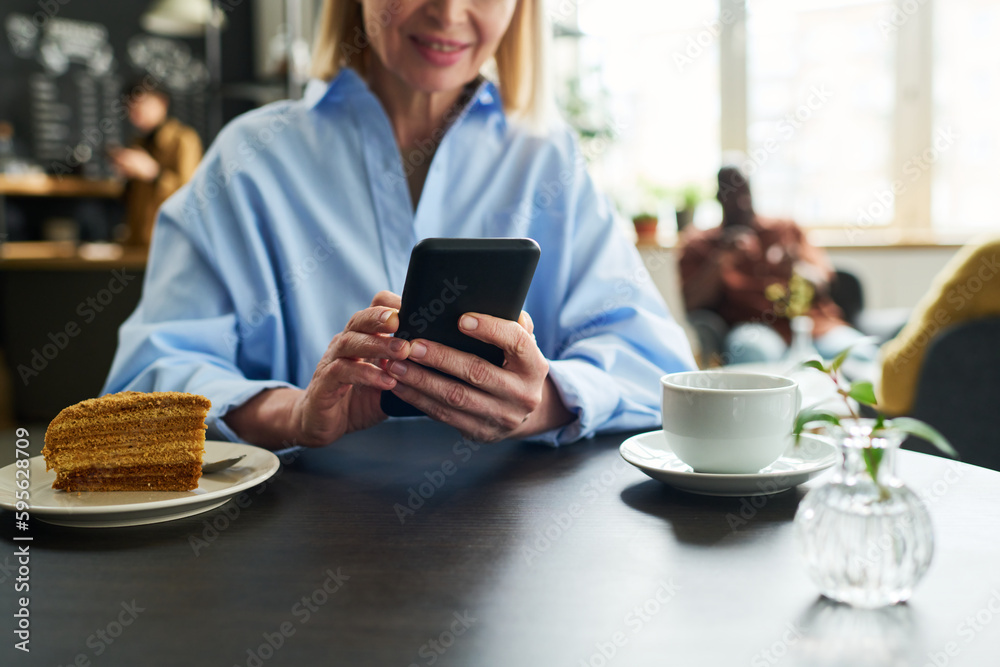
[(131, 441)]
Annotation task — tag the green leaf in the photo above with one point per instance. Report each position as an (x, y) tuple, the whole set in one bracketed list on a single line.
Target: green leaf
[(838, 361), (811, 416), (862, 392), (879, 422), (814, 363), (873, 458), (921, 430)]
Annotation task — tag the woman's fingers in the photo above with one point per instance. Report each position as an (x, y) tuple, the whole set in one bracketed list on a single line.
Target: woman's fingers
[(520, 350), (526, 322), (376, 319), (462, 396), (475, 414), (354, 345), (354, 356), (517, 383), (367, 334), (343, 394), (387, 299), (482, 400), (470, 368), (329, 379)]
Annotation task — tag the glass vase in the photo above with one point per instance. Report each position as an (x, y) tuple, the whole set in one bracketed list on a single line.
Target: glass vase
[(802, 346), (866, 539)]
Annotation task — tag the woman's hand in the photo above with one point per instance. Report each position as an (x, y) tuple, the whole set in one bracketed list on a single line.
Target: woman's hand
[(343, 394), (493, 402), (135, 163)]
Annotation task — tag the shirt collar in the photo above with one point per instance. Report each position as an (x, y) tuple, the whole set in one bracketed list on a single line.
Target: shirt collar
[(344, 85), (485, 97)]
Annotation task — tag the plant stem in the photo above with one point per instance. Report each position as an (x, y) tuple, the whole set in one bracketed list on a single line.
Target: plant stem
[(871, 460), (845, 394)]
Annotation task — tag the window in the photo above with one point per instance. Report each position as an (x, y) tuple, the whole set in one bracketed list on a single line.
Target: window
[(820, 103), (966, 140), (857, 114), (653, 69)]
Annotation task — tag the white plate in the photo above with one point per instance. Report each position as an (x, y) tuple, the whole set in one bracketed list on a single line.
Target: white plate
[(110, 509), (650, 453)]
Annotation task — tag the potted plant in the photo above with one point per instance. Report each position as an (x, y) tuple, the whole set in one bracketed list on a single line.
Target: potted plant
[(686, 202), (866, 538), (646, 220), (645, 228)]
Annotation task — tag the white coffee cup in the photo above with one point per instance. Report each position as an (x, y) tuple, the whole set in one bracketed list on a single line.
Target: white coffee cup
[(728, 422)]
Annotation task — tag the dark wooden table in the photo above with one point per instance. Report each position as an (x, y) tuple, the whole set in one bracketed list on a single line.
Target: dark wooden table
[(519, 555)]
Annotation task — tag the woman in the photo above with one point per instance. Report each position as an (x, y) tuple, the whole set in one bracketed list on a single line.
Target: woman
[(303, 210), (160, 160)]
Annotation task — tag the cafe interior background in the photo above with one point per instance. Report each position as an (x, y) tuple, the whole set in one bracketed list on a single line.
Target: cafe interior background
[(868, 122)]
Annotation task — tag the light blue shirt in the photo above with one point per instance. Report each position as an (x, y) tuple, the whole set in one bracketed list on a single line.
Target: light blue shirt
[(300, 213)]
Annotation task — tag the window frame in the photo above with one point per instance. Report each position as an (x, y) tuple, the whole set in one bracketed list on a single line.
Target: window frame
[(911, 25)]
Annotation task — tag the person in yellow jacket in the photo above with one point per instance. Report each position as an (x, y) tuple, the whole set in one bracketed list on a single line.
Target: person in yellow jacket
[(158, 163), (967, 288)]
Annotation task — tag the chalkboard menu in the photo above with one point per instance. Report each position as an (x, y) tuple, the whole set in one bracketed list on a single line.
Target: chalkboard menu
[(75, 121), (73, 79), (71, 95)]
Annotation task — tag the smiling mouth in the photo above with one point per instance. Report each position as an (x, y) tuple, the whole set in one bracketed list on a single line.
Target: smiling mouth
[(437, 45)]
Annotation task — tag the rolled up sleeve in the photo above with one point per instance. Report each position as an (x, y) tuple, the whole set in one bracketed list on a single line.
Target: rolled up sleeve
[(616, 337), (183, 334)]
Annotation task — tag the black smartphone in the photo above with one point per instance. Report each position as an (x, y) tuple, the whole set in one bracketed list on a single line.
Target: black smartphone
[(447, 278)]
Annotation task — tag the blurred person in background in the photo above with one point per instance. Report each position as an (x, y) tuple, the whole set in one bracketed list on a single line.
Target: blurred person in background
[(734, 268), (162, 158)]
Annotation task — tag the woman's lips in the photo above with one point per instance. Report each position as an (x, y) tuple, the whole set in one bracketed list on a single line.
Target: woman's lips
[(437, 51)]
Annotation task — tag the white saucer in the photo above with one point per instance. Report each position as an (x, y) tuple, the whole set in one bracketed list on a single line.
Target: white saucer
[(111, 509), (650, 453)]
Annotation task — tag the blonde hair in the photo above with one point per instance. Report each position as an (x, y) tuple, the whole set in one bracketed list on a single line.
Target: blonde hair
[(520, 59)]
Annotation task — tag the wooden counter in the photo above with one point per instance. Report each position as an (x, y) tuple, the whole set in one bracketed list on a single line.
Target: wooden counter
[(42, 185), (69, 256)]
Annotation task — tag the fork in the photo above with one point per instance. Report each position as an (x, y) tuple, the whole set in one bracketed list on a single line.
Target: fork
[(218, 466)]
